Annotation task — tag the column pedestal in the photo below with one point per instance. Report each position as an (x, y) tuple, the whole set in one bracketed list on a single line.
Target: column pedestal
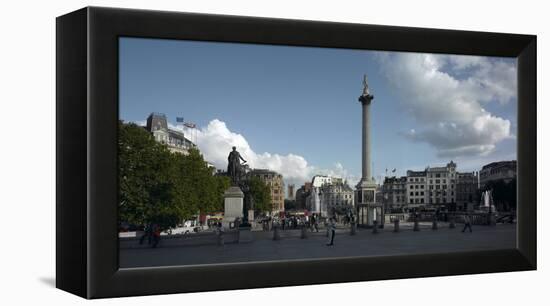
[(233, 205), (367, 208)]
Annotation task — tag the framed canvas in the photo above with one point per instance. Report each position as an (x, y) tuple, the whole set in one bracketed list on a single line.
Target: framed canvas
[(202, 152)]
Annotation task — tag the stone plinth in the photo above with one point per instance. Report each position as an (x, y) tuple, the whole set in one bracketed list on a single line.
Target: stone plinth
[(367, 209), (233, 205)]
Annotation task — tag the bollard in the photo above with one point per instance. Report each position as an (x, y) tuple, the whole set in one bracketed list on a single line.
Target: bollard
[(452, 222), (276, 235), (353, 229), (416, 227), (396, 225), (375, 227), (304, 232)]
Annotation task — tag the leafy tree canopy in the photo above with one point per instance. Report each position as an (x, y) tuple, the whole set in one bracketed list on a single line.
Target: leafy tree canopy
[(158, 186)]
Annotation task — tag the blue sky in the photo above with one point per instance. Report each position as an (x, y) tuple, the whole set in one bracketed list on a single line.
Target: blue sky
[(295, 109)]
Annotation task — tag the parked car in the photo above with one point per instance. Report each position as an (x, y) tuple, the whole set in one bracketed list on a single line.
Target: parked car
[(188, 227)]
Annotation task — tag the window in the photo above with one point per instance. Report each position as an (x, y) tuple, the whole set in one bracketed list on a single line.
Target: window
[(422, 201), (422, 193), (412, 193), (416, 193)]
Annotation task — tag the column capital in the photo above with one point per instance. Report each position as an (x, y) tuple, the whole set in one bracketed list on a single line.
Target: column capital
[(366, 99)]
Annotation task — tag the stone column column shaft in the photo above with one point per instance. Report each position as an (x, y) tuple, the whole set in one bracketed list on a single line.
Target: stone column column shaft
[(366, 141)]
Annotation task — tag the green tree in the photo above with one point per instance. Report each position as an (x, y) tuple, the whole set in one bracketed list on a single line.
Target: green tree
[(201, 190), (146, 179), (261, 194), (157, 186)]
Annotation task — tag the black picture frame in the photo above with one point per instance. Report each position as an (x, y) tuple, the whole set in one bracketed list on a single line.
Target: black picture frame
[(87, 120)]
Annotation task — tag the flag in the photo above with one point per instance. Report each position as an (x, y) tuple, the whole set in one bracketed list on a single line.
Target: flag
[(179, 119), (190, 125)]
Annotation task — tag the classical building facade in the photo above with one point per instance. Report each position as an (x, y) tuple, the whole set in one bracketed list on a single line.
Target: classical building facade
[(334, 196), (441, 185), (327, 194), (394, 193), (157, 125), (502, 170), (467, 190), (275, 183), (416, 189), (434, 187)]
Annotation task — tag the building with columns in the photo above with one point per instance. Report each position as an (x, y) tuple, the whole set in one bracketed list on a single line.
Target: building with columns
[(502, 170)]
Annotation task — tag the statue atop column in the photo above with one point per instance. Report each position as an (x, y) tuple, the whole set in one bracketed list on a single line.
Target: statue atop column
[(366, 91), (234, 166), (366, 96), (365, 86)]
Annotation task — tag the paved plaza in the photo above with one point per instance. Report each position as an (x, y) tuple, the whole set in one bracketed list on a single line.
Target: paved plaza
[(364, 243)]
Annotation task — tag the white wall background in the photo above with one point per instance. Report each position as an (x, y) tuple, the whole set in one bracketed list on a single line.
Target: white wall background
[(27, 151)]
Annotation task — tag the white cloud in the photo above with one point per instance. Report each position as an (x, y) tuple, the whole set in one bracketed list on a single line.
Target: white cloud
[(216, 140), (446, 95)]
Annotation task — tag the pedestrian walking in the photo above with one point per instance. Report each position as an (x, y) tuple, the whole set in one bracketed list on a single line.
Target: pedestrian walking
[(467, 223), (220, 232), (314, 223), (148, 233), (332, 231), (156, 235)]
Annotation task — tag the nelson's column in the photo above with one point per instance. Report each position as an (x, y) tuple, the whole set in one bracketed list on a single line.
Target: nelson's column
[(367, 208)]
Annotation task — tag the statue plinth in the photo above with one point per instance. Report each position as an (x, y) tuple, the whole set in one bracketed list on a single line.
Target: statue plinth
[(233, 205)]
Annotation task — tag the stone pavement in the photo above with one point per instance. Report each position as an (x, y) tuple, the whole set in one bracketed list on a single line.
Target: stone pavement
[(365, 243)]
